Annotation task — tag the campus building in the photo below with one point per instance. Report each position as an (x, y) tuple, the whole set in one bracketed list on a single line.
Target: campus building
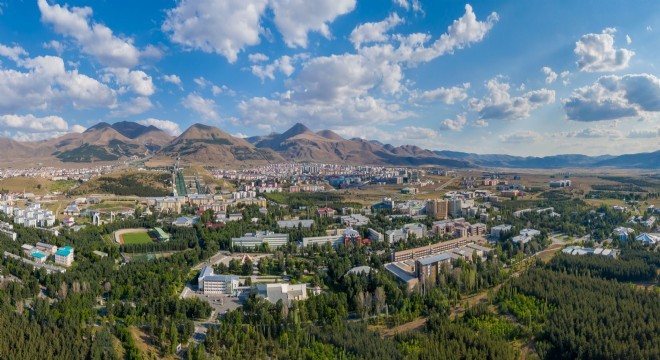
[(212, 284)]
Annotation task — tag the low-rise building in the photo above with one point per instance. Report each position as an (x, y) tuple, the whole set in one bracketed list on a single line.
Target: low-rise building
[(257, 239), (46, 248), (64, 256), (211, 284), (649, 238), (287, 293), (294, 224)]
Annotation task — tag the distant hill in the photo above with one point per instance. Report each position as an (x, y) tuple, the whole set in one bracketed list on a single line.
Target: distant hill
[(208, 145), (205, 144), (302, 144), (636, 161)]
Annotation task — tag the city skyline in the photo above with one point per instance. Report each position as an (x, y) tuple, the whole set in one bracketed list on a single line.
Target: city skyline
[(479, 77)]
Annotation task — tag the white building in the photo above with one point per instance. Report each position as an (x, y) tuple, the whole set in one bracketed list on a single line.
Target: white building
[(285, 292), (212, 284), (252, 240), (647, 238)]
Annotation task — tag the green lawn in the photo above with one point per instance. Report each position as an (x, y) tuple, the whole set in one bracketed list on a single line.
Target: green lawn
[(137, 238)]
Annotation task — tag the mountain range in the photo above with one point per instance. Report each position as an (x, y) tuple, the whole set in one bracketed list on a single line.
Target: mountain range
[(208, 145)]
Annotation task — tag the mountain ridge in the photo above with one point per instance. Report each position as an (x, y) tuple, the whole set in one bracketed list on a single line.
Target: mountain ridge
[(209, 145)]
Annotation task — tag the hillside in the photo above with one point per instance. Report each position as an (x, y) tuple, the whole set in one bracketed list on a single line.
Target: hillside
[(302, 144), (203, 144)]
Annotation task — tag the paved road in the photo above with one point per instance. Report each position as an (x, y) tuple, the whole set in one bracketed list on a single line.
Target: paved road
[(445, 184)]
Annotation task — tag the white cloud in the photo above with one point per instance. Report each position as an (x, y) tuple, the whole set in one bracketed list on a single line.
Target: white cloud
[(521, 137), (455, 124), (419, 133), (224, 27), (596, 53), (628, 40), (374, 32), (591, 133), (33, 124), (296, 18), (284, 64), (169, 127), (446, 95), (258, 57), (413, 48), (480, 123), (93, 38), (78, 128), (54, 45), (134, 106), (499, 104), (136, 81), (206, 108), (614, 97), (645, 134), (239, 135), (345, 89), (565, 77), (14, 53), (173, 79), (415, 5), (47, 83), (551, 76), (202, 82)]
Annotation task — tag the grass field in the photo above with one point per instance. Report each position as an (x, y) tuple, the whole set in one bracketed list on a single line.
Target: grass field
[(137, 238)]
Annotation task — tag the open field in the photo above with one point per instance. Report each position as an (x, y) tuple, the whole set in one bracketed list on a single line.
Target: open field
[(35, 185), (138, 235), (136, 238)]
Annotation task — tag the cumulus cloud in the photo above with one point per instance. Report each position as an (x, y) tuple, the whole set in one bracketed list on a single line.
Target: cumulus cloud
[(597, 53), (551, 76), (415, 5), (46, 83), (206, 108), (499, 104), (258, 57), (223, 27), (134, 106), (136, 81), (521, 137), (374, 31), (33, 128), (344, 89), (284, 65), (455, 124), (78, 128), (14, 53), (54, 45), (33, 124), (93, 38), (296, 18), (450, 95), (614, 97), (169, 127), (415, 48), (173, 79)]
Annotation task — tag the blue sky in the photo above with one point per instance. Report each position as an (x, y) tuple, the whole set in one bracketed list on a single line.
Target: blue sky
[(518, 77)]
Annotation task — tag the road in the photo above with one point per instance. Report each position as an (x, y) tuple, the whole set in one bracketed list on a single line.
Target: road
[(445, 184)]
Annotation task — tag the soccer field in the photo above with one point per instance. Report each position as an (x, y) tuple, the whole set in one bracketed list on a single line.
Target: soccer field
[(137, 238)]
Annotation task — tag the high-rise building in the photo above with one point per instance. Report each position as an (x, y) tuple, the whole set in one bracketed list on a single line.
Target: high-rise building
[(437, 208), (454, 206)]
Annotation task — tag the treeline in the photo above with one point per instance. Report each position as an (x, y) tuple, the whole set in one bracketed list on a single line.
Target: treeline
[(633, 265), (134, 184)]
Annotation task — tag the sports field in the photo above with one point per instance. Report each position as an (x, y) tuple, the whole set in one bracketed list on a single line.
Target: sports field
[(137, 238)]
